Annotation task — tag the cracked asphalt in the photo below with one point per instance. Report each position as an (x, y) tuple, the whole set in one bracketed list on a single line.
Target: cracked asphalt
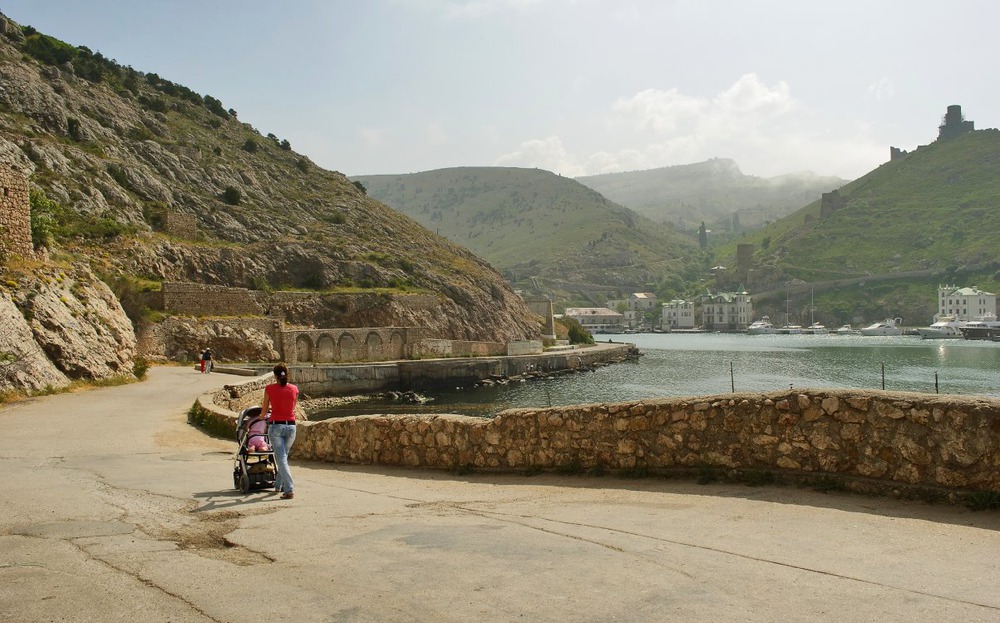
[(117, 510)]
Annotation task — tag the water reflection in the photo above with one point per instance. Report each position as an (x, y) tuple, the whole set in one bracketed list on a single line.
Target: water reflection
[(698, 364)]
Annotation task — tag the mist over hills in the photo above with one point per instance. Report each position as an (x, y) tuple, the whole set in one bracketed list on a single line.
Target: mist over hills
[(712, 191), (543, 230)]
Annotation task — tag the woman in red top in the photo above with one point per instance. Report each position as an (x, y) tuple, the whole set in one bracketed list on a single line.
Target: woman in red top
[(280, 398)]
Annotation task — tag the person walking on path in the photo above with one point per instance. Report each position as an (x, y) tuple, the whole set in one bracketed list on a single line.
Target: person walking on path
[(280, 398), (206, 360)]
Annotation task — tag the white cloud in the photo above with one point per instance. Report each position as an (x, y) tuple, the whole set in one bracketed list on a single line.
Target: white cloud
[(547, 153), (766, 130), (882, 90)]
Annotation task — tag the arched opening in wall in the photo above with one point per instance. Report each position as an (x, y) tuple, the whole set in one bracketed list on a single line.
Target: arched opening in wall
[(396, 345), (373, 344), (326, 350), (348, 348), (303, 348)]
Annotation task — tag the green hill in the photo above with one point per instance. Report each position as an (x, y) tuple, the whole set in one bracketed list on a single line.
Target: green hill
[(543, 230), (140, 177), (714, 191), (881, 247)]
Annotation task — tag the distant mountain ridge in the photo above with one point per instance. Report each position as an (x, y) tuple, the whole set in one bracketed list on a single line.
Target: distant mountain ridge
[(538, 226), (711, 191)]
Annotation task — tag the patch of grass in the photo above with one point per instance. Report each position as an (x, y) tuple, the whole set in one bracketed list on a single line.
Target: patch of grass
[(572, 468), (983, 501), (758, 477), (634, 473), (707, 475), (824, 483)]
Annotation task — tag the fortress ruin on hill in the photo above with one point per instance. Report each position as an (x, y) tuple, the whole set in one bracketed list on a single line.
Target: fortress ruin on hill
[(953, 125)]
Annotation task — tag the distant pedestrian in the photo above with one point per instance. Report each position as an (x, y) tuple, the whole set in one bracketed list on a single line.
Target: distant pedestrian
[(206, 361), (280, 398)]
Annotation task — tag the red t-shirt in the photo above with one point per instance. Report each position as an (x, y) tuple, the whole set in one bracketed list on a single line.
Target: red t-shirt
[(282, 399)]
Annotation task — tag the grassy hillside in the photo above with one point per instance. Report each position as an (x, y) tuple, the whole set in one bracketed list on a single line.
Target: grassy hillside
[(141, 177), (910, 224), (540, 228), (712, 191)]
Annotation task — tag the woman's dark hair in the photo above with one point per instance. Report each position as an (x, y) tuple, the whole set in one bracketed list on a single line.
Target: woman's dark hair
[(281, 373)]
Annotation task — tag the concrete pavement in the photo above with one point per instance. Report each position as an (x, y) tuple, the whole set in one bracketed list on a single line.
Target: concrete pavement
[(118, 510)]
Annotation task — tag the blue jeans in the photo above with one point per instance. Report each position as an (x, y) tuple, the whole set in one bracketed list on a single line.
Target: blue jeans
[(282, 436)]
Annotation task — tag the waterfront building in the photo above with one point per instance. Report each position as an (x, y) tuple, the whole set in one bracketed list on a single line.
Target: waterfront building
[(597, 319), (677, 314), (726, 311), (965, 304)]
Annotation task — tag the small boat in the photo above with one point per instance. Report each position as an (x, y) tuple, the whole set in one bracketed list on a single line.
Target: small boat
[(945, 328), (889, 326), (761, 327), (816, 329), (845, 330)]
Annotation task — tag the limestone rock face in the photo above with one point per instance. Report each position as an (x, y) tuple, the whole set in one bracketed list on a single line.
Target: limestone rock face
[(60, 325)]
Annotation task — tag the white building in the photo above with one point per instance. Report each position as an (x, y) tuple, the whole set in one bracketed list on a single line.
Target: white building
[(635, 308), (677, 314), (597, 319), (965, 303), (726, 311)]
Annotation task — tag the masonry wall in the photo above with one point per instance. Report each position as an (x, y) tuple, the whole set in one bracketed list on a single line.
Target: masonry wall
[(897, 439), (198, 299), (15, 213)]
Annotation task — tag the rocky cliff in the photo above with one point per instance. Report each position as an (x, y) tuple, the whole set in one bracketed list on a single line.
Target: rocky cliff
[(142, 179)]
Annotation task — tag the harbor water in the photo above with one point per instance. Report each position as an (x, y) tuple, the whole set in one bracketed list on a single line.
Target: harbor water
[(694, 364)]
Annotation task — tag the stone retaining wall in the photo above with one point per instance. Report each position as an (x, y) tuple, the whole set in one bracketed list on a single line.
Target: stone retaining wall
[(903, 439)]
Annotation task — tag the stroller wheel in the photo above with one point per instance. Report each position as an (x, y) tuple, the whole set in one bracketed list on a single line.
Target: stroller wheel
[(236, 479), (244, 483)]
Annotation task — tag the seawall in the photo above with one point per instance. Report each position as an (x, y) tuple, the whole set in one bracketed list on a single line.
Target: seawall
[(428, 374), (866, 440)]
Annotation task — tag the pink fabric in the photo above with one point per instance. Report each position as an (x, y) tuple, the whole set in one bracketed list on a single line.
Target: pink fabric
[(282, 399), (257, 437)]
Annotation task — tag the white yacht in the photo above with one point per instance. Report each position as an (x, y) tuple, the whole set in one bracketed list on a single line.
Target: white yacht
[(845, 330), (889, 326), (944, 328), (790, 329), (761, 327), (816, 329)]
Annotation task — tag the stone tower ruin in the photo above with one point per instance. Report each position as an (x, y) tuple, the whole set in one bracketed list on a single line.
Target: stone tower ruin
[(954, 124), (15, 213)]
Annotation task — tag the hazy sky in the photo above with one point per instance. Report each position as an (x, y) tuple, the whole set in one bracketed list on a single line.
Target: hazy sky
[(573, 86)]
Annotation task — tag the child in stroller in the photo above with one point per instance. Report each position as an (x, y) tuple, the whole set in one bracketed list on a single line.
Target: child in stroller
[(254, 467)]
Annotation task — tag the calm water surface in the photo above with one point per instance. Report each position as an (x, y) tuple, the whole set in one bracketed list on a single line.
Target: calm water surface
[(696, 364)]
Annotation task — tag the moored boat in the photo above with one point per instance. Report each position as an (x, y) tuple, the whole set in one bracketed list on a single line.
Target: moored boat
[(945, 328), (845, 330), (983, 328), (761, 327), (889, 326)]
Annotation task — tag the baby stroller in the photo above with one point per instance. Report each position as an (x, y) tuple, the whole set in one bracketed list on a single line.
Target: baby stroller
[(254, 466)]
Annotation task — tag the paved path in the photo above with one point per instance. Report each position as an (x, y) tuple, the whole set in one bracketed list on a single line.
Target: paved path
[(117, 510)]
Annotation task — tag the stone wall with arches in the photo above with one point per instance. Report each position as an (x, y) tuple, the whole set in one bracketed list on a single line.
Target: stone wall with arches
[(347, 345)]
